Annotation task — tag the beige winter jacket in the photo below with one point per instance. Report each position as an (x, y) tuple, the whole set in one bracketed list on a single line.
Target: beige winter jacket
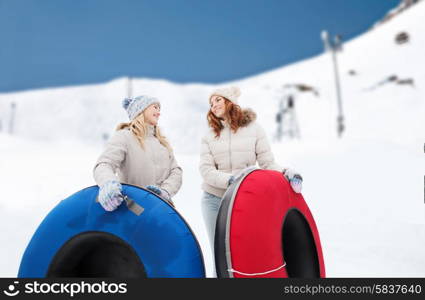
[(126, 161), (231, 152)]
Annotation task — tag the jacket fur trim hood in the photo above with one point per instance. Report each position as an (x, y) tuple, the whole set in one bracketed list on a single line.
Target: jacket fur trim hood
[(248, 116)]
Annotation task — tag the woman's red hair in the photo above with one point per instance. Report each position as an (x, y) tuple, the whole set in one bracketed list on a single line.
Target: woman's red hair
[(232, 113)]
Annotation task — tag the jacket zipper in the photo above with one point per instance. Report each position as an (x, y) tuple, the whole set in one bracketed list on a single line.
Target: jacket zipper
[(230, 150)]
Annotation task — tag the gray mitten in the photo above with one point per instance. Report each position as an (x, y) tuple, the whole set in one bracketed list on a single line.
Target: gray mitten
[(241, 174)]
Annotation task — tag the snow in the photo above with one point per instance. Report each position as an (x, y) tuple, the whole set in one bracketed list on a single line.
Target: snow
[(366, 190)]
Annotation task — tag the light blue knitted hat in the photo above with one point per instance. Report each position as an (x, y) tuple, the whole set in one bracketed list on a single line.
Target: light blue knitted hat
[(134, 106)]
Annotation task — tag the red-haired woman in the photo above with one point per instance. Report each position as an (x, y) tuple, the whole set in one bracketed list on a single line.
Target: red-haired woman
[(233, 143)]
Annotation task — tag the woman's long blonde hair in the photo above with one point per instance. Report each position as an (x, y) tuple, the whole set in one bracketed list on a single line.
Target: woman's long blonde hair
[(139, 128)]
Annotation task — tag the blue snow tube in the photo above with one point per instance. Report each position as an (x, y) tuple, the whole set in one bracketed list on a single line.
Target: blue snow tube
[(144, 237)]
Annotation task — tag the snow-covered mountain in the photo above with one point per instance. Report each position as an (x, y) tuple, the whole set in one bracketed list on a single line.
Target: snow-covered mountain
[(365, 190)]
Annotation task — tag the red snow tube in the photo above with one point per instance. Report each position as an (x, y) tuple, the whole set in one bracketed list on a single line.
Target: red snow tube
[(265, 229)]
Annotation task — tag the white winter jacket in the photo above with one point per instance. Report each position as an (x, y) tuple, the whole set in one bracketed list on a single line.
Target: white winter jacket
[(231, 152), (126, 161)]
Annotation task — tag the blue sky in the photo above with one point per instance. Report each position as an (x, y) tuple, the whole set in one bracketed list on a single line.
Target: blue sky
[(48, 43)]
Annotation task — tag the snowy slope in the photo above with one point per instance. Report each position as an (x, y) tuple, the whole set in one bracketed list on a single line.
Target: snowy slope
[(365, 190), (87, 112)]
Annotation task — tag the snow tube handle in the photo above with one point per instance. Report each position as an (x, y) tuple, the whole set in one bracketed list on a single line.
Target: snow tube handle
[(131, 205)]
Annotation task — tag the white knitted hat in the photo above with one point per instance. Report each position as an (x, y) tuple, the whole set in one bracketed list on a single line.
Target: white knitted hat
[(230, 93), (134, 106)]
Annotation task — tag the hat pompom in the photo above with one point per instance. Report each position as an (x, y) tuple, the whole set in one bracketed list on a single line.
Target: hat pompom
[(126, 102), (235, 91)]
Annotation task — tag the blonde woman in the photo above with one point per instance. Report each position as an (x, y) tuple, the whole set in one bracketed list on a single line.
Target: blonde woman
[(233, 144), (137, 154)]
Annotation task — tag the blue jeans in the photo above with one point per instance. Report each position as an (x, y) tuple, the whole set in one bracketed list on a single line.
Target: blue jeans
[(210, 205)]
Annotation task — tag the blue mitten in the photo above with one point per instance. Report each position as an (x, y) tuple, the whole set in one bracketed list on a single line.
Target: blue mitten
[(295, 179), (296, 183), (110, 195), (160, 192)]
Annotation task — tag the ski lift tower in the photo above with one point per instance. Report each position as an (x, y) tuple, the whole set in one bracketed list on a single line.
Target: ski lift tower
[(335, 47), (279, 119), (129, 87), (286, 119), (12, 118)]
